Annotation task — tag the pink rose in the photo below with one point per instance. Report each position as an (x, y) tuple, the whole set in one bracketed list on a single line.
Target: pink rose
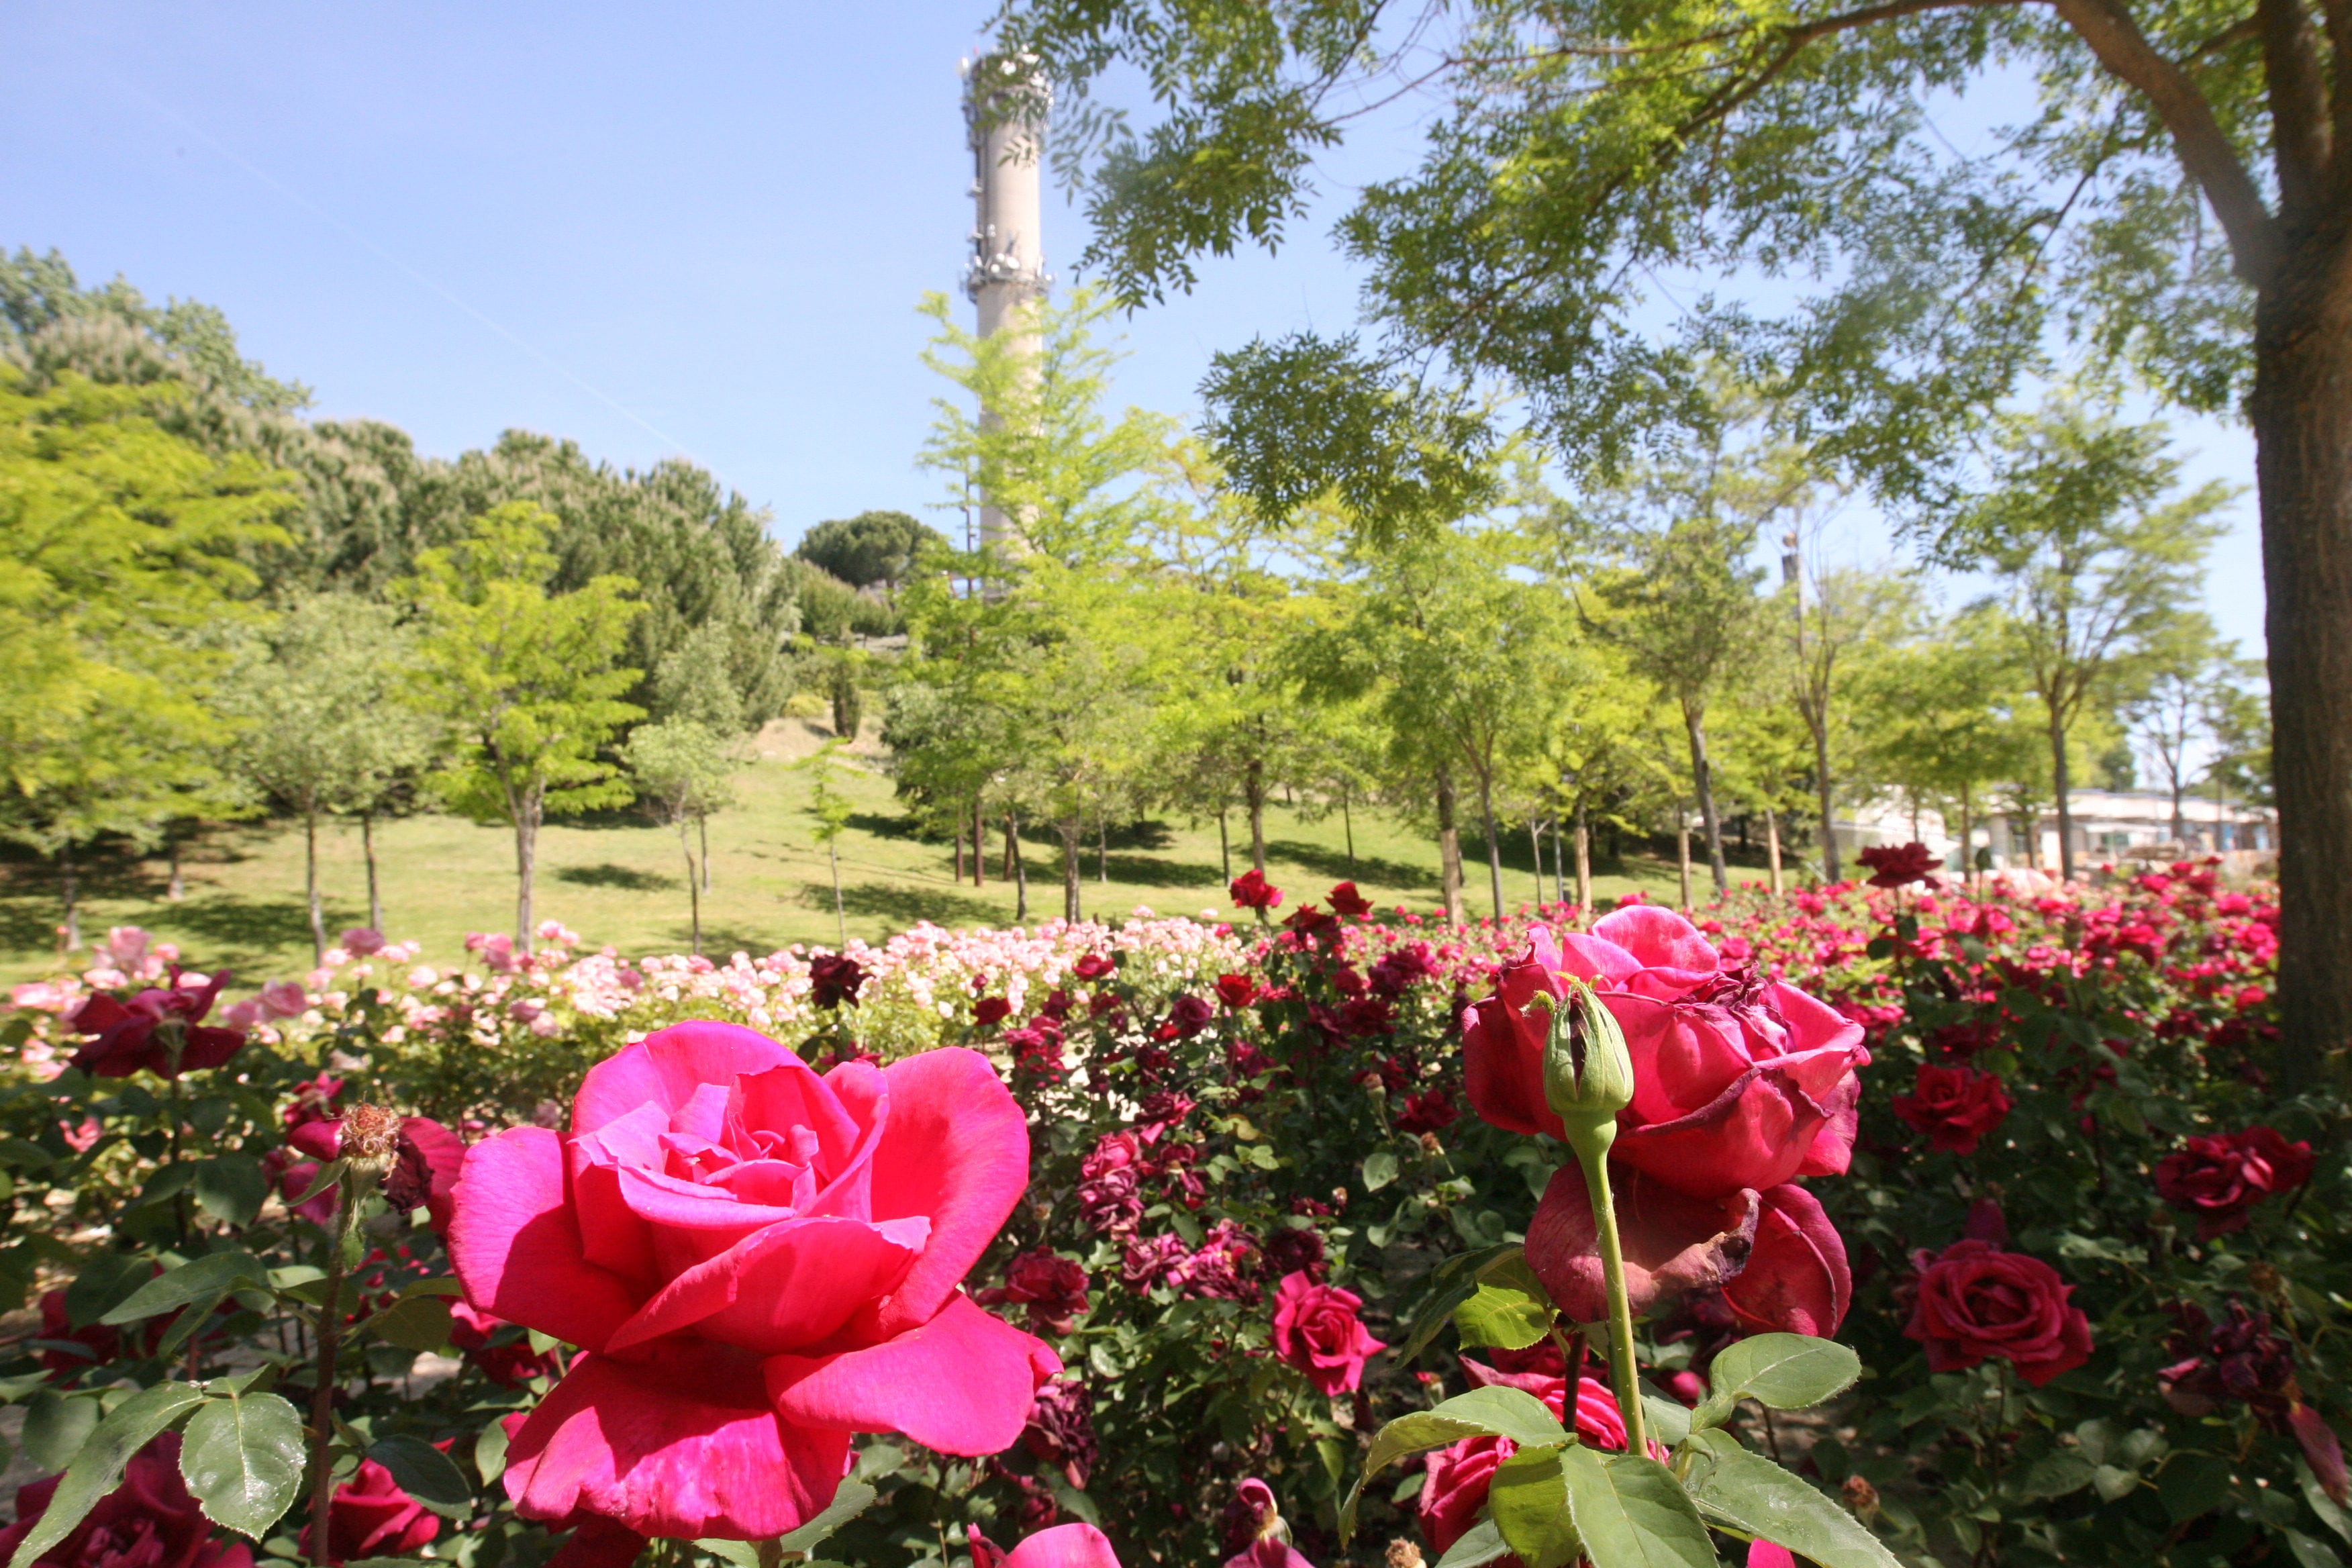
[(283, 999), (1738, 1082), (1315, 1331), (757, 1261), (1063, 1546)]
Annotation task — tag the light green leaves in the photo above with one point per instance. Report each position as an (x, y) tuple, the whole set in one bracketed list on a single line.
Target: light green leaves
[(206, 1279), (1510, 1310), (1629, 1513), (850, 1500), (1483, 1412), (242, 1457), (1528, 1497), (98, 1469), (1481, 1542), (1786, 1371), (1756, 1498), (1451, 1283)]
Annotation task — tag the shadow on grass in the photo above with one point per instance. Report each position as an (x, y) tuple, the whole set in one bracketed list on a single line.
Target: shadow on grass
[(628, 879), (1151, 871), (889, 825), (1333, 863), (720, 942), (903, 906)]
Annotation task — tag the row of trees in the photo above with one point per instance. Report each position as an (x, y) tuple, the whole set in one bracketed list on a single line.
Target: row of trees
[(1541, 662), (211, 605)]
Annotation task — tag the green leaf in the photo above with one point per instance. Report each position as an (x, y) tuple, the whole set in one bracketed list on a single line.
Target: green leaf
[(2113, 1484), (1504, 1412), (852, 1498), (2310, 1554), (56, 1426), (1528, 1495), (1786, 1371), (742, 1553), (417, 1324), (243, 1458), (1509, 1311), (424, 1473), (1631, 1512), (2191, 1485), (328, 1174), (230, 1188), (1481, 1542), (1450, 1284), (103, 1281), (2059, 1473), (97, 1469), (2330, 1514), (1754, 1496), (207, 1278), (1380, 1169), (491, 1452), (440, 1285)]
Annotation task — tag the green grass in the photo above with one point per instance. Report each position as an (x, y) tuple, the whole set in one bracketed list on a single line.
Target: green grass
[(622, 880)]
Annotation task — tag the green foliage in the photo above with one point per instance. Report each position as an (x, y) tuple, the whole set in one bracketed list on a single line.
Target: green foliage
[(874, 548)]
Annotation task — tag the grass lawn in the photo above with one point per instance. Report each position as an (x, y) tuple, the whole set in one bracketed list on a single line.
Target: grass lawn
[(622, 880)]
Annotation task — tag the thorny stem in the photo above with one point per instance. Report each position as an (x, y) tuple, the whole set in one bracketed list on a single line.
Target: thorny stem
[(1624, 1375)]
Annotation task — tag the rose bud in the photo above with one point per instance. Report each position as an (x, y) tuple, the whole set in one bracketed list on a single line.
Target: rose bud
[(1588, 1073)]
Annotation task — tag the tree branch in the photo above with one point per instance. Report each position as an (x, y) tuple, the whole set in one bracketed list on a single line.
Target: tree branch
[(2300, 129), (2203, 148)]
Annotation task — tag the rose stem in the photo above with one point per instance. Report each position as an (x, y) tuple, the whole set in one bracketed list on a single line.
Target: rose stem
[(1622, 1373), (323, 1399)]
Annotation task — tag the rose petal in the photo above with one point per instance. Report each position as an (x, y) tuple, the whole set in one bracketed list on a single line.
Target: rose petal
[(1672, 1242), (962, 1384), (668, 1067), (784, 1288), (516, 1244), (667, 1447), (1065, 1546), (1755, 1134), (954, 1150), (1796, 1280)]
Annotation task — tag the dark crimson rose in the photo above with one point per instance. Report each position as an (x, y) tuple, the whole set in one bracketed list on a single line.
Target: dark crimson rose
[(1095, 966), (1251, 890), (2220, 1179), (1188, 1016), (147, 1522), (2240, 1360), (1898, 865), (160, 1029), (372, 1516), (1050, 1286), (427, 1160), (1237, 990), (834, 978), (1977, 1302), (1953, 1106), (1395, 973), (990, 1011), (1432, 1110), (97, 1342), (1061, 1430), (1295, 1249), (1346, 901), (1315, 1330)]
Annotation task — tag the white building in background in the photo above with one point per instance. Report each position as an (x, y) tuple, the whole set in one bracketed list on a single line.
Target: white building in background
[(1006, 270), (2109, 825)]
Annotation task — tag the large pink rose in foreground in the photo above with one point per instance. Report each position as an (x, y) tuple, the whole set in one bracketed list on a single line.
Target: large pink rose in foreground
[(758, 1261), (1739, 1083)]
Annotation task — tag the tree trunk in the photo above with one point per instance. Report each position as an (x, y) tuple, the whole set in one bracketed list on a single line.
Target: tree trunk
[(311, 886), (1011, 847), (1682, 850), (526, 826), (1020, 872), (1348, 821), (1772, 845), (694, 885), (1583, 857), (1968, 840), (959, 849), (70, 931), (1254, 794), (2180, 817), (1224, 847), (1535, 849), (367, 852), (1449, 850), (1072, 878), (175, 887), (702, 833), (1822, 791), (840, 916), (1102, 851), (2064, 789), (1493, 843), (2301, 411), (979, 845), (1703, 780)]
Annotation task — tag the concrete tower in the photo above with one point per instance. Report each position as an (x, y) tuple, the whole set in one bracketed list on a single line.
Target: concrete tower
[(1007, 266)]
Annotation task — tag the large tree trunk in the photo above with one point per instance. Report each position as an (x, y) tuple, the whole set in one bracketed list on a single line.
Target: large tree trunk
[(979, 845), (1703, 782), (311, 886), (693, 886), (959, 849), (526, 826), (2064, 788), (702, 832), (1347, 821), (1822, 791), (1020, 870), (1584, 858), (2301, 411), (1682, 849), (1254, 794), (70, 931), (175, 887), (1072, 877), (1772, 845), (1494, 842), (367, 851), (1224, 846), (1535, 849), (1449, 850)]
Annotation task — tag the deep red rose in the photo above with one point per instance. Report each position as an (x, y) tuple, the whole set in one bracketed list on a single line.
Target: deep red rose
[(1977, 1302), (1237, 990), (834, 978), (429, 1157), (1095, 966), (147, 1522), (1898, 865), (1346, 901), (2241, 1359), (1188, 1016), (1053, 1289), (1456, 1479), (1953, 1106), (1432, 1110), (371, 1516), (1251, 890), (1315, 1330), (990, 1011), (161, 1029), (2219, 1179), (1061, 1429), (99, 1343)]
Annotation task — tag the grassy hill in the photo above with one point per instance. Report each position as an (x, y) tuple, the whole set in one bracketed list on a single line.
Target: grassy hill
[(621, 880)]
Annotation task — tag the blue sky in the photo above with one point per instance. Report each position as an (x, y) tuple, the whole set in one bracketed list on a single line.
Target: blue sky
[(657, 231)]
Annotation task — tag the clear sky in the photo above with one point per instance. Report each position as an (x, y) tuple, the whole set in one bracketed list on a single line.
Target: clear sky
[(655, 229)]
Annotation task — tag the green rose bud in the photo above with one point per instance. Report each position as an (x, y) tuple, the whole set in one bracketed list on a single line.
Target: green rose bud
[(1587, 1072)]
